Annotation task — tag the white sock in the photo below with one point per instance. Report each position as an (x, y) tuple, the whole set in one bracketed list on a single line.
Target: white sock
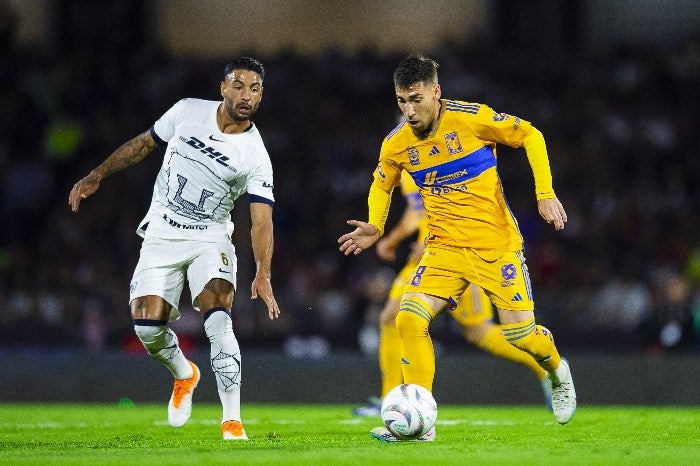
[(559, 375), (225, 361), (161, 343)]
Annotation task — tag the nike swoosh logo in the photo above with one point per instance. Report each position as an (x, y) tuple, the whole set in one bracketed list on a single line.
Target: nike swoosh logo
[(214, 139), (223, 271)]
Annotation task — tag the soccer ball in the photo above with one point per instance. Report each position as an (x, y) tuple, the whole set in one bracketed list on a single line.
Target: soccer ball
[(409, 411)]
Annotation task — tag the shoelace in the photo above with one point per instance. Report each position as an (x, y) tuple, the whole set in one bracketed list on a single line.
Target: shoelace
[(563, 394), (235, 428)]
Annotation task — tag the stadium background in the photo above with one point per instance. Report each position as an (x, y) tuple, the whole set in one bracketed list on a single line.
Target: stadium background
[(613, 85)]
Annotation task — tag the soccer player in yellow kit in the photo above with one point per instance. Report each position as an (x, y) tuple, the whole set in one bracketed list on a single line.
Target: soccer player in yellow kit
[(474, 312), (449, 149)]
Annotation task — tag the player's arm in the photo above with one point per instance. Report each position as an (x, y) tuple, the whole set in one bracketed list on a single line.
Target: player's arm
[(516, 132), (262, 240), (130, 153), (548, 205), (410, 219)]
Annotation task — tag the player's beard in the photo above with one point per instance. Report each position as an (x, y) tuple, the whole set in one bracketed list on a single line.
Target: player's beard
[(233, 113)]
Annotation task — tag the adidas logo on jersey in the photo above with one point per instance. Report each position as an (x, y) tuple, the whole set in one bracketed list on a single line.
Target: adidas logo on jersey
[(517, 297), (434, 150)]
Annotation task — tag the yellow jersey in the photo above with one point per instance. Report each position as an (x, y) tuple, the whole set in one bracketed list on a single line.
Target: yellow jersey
[(414, 202), (454, 168)]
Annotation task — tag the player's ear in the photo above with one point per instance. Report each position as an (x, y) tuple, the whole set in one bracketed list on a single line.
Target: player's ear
[(437, 91), (223, 86)]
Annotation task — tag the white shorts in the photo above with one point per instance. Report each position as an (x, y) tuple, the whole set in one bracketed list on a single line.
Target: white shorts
[(164, 264)]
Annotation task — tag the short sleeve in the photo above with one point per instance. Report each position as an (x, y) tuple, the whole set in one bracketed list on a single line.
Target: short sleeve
[(164, 128), (260, 183)]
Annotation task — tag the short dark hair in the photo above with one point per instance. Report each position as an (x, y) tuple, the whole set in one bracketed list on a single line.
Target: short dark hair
[(415, 68), (245, 63)]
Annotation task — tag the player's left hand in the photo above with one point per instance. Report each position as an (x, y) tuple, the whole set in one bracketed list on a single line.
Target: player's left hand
[(262, 287), (362, 237), (83, 189), (553, 212)]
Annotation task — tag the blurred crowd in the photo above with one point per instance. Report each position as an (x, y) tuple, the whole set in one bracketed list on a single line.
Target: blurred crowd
[(622, 133)]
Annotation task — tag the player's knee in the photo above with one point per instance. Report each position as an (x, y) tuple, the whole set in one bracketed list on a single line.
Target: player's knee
[(216, 293), (154, 335), (149, 334), (409, 324), (219, 286), (388, 315), (475, 333), (414, 318)]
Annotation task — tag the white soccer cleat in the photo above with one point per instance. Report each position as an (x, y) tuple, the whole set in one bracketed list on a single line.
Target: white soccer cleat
[(233, 430), (382, 434), (180, 405), (563, 393)]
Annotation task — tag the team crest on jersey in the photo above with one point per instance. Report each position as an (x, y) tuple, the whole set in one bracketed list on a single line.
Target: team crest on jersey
[(509, 272), (453, 144), (413, 156)]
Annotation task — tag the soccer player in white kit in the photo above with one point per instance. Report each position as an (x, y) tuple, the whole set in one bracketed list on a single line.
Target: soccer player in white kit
[(214, 154)]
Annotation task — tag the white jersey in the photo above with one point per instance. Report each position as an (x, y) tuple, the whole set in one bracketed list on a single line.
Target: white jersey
[(204, 171)]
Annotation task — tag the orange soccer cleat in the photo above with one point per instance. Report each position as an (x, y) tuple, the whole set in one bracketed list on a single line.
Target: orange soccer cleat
[(233, 430), (180, 405)]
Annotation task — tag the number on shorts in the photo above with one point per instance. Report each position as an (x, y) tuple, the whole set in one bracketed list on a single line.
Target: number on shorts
[(224, 259), (418, 276)]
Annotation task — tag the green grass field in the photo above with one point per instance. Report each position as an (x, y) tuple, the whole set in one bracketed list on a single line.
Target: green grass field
[(133, 434)]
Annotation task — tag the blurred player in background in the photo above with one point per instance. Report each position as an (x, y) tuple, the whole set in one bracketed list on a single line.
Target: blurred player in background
[(214, 154), (449, 149), (474, 311)]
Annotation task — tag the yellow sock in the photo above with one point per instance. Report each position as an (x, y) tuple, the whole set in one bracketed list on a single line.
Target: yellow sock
[(418, 357), (390, 357), (495, 343), (533, 339)]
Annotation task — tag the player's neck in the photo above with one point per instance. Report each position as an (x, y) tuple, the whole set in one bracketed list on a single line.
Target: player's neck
[(430, 130)]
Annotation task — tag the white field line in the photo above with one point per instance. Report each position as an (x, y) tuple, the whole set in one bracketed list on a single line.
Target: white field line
[(209, 422)]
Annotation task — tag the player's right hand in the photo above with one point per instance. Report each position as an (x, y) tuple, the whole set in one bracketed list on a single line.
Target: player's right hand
[(82, 190), (362, 237), (261, 287), (552, 212)]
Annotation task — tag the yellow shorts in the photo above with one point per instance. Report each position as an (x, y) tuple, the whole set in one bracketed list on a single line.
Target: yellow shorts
[(446, 273), (401, 279), (473, 308)]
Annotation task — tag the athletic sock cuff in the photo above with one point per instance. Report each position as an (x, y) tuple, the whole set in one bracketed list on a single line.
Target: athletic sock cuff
[(216, 309), (149, 322)]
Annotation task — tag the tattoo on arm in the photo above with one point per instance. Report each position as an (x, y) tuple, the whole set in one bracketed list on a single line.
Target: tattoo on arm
[(128, 154)]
